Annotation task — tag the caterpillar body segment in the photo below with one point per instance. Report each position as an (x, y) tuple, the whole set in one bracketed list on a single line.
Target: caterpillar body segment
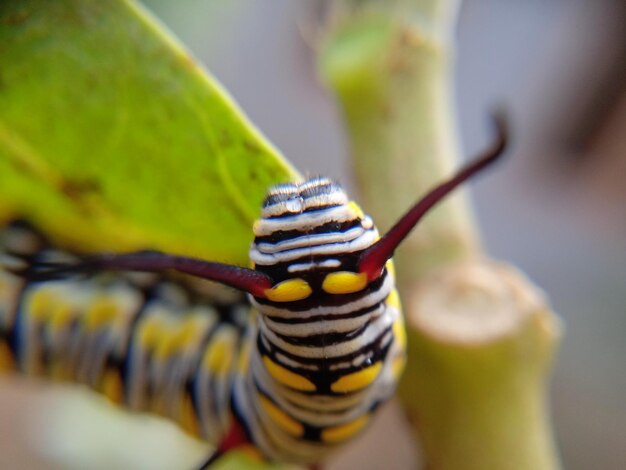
[(147, 343)]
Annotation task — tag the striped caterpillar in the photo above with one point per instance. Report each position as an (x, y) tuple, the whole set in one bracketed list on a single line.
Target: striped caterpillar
[(296, 376)]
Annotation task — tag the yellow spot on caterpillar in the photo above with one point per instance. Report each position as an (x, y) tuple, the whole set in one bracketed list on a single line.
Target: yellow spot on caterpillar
[(149, 333), (243, 363), (112, 386), (102, 312), (343, 432), (288, 378), (393, 299), (187, 334), (289, 291), (357, 380), (40, 304), (188, 418), (176, 339), (6, 358), (218, 357), (357, 209), (60, 317), (344, 282), (281, 418)]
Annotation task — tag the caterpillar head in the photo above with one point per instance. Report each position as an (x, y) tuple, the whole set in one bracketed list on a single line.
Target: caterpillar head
[(311, 233), (307, 231)]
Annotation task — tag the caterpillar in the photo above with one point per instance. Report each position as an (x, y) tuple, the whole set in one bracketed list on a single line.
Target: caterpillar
[(295, 373)]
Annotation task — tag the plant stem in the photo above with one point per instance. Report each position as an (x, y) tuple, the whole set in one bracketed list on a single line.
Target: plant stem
[(481, 338), (481, 345)]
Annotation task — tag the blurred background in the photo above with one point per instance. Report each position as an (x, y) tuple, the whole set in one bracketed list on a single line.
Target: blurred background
[(556, 209)]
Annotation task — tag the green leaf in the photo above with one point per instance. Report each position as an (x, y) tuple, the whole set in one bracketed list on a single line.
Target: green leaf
[(112, 137)]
